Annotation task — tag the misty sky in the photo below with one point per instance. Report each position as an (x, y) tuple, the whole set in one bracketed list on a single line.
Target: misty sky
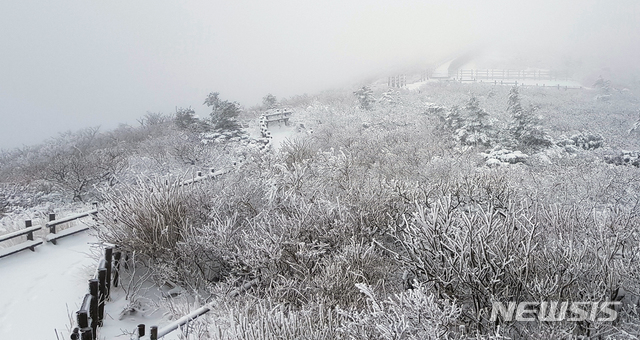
[(72, 64)]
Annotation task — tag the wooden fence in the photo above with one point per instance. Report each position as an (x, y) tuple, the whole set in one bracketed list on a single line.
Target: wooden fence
[(212, 173), (155, 333), (500, 74), (397, 81), (90, 316), (516, 83), (52, 237), (277, 116)]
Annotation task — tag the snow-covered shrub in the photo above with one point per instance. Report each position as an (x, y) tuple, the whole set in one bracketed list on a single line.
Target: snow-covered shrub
[(150, 216), (263, 319), (451, 118), (476, 129), (478, 253), (604, 89), (76, 162), (624, 157), (583, 141), (434, 109), (185, 118), (7, 195), (269, 101), (499, 155), (413, 314), (390, 97)]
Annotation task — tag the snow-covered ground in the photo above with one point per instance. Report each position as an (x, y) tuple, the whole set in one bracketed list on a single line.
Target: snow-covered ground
[(442, 71), (40, 291)]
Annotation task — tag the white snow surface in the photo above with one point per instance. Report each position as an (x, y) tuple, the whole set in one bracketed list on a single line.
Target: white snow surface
[(41, 290)]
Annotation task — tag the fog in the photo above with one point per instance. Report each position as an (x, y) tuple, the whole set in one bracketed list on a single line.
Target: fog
[(65, 64)]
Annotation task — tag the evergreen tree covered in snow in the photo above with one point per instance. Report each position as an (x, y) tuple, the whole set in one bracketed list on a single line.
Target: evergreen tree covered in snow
[(525, 126), (476, 129), (365, 97), (185, 118), (269, 101), (224, 113), (469, 124)]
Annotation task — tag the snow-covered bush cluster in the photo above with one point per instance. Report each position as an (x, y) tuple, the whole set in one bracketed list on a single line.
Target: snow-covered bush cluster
[(502, 156), (390, 97), (433, 109), (624, 157), (224, 136), (586, 141)]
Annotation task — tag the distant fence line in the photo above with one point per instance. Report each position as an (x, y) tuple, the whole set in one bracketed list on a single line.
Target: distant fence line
[(397, 81), (505, 74), (516, 83)]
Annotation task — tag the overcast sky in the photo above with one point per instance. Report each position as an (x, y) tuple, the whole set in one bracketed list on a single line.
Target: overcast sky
[(72, 64)]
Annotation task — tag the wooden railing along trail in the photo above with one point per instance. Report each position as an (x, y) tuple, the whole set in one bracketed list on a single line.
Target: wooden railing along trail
[(53, 235)]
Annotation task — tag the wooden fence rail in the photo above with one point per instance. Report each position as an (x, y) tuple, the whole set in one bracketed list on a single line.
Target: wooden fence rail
[(90, 316), (53, 235), (155, 333), (504, 74), (201, 176), (277, 116)]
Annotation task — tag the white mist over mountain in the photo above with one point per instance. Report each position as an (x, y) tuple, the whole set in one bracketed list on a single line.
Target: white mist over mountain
[(71, 64)]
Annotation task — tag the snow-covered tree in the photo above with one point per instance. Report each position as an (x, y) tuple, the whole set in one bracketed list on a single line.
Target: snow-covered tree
[(365, 97), (525, 126), (269, 101), (224, 113), (185, 118)]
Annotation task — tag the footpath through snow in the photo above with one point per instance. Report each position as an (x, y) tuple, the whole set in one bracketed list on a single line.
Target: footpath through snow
[(40, 291)]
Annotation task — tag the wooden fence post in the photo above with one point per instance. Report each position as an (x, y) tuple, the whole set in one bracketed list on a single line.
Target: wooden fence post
[(108, 254), (27, 224), (116, 268), (140, 330), (82, 318), (75, 335), (153, 333), (87, 334), (102, 293), (93, 309), (52, 229)]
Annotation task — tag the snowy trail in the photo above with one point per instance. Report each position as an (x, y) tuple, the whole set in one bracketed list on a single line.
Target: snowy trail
[(36, 288)]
